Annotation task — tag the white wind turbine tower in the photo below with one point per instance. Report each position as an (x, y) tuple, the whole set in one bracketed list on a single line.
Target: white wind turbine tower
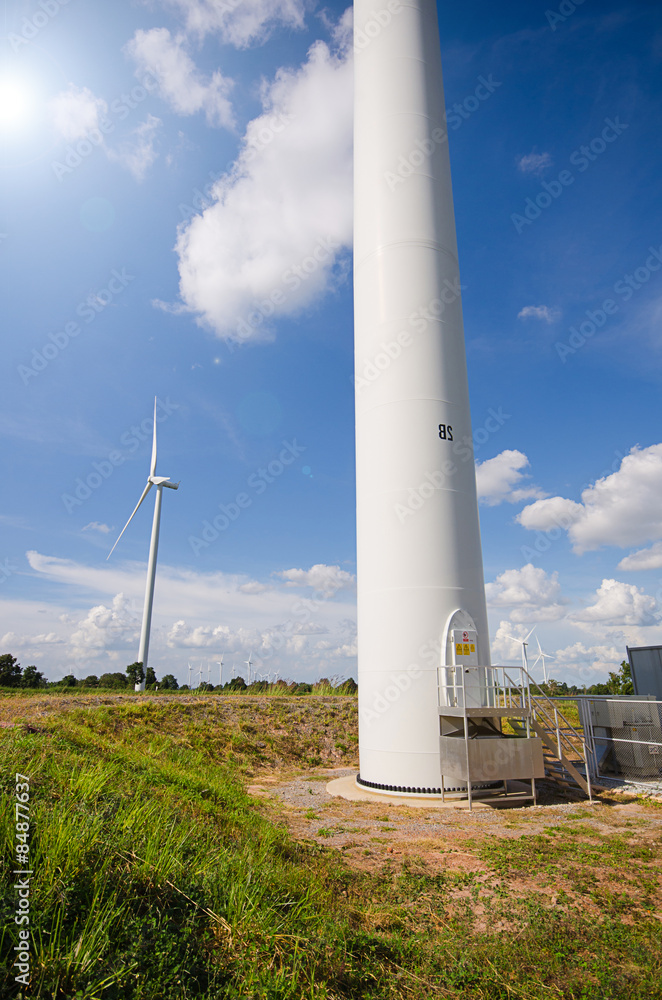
[(524, 643), (190, 668), (220, 670), (249, 664), (159, 482), (542, 656)]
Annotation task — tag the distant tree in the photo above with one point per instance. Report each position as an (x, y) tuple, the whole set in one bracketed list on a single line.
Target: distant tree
[(302, 689), (70, 681), (236, 684), (32, 678), (621, 682), (150, 678), (204, 686), (347, 687), (135, 672), (91, 681), (169, 682), (10, 671), (257, 687), (115, 680), (184, 687)]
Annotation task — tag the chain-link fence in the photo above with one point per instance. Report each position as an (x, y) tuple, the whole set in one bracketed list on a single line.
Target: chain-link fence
[(623, 737)]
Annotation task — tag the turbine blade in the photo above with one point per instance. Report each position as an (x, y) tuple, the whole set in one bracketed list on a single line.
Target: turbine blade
[(530, 633), (145, 492), (152, 468)]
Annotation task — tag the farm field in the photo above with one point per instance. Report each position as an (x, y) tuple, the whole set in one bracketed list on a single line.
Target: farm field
[(184, 846)]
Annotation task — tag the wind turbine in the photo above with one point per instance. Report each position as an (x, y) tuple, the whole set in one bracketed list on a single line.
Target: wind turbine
[(542, 656), (524, 643), (249, 664), (190, 668), (220, 670), (159, 482)]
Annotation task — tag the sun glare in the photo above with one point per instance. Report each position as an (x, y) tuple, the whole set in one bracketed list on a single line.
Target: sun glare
[(15, 103)]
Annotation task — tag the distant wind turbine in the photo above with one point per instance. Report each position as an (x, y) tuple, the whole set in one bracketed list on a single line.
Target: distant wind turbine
[(524, 643), (159, 482), (190, 668), (249, 664), (220, 670), (542, 656)]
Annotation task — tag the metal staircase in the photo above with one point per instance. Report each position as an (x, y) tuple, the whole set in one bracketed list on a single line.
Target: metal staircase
[(472, 700), (565, 749)]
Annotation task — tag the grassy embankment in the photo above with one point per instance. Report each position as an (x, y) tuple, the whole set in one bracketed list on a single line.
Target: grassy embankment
[(158, 876)]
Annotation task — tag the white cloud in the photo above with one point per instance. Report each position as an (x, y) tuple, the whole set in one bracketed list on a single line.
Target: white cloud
[(76, 112), (534, 163), (531, 595), (599, 658), (269, 244), (96, 526), (240, 22), (498, 479), (643, 559), (621, 509), (137, 153), (45, 639), (504, 647), (545, 313), (105, 628), (194, 613), (180, 83), (328, 580), (619, 603)]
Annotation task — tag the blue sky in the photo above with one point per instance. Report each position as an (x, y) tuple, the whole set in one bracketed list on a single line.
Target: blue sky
[(176, 221)]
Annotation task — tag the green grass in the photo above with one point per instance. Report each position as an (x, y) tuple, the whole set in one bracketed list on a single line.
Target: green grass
[(157, 876)]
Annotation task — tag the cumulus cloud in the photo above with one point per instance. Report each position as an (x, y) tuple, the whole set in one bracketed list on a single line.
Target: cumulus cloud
[(328, 580), (138, 152), (76, 112), (643, 559), (621, 509), (539, 312), (498, 479), (599, 658), (97, 526), (11, 639), (504, 646), (106, 628), (534, 163), (242, 23), (619, 603), (271, 243), (529, 592), (181, 84)]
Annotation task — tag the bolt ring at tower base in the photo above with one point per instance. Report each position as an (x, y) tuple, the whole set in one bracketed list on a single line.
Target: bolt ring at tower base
[(401, 790)]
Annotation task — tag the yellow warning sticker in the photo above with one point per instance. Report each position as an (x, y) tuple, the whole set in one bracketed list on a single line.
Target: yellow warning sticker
[(466, 650), (473, 648), (458, 648)]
